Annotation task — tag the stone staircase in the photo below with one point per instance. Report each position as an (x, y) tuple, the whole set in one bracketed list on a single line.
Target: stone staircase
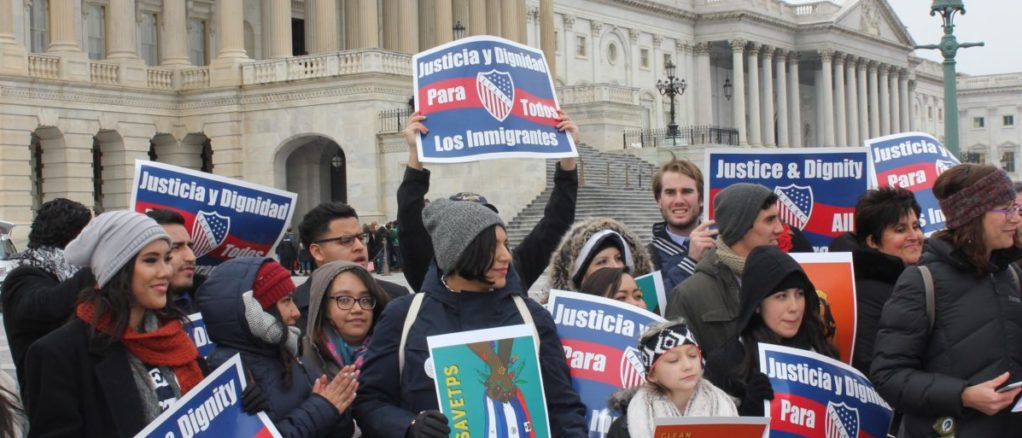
[(615, 185)]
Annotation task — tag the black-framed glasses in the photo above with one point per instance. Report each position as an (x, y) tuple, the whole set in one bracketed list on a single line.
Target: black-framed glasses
[(343, 240), (1008, 212), (345, 302)]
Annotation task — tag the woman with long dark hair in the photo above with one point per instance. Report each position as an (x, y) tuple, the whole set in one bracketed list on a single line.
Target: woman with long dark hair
[(124, 357), (779, 306), (247, 307), (951, 334), (614, 283)]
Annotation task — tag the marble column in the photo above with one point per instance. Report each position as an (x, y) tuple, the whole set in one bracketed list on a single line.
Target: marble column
[(369, 24), (703, 85), (494, 9), (408, 16), (12, 53), (782, 99), (477, 17), (795, 102), (546, 35), (512, 19), (863, 100), (906, 103), (326, 25), (755, 123), (769, 133), (852, 102), (63, 27), (895, 102), (885, 101), (690, 67), (827, 88), (444, 19), (840, 121), (874, 101), (7, 22), (121, 35), (225, 70), (738, 59), (280, 29), (175, 34)]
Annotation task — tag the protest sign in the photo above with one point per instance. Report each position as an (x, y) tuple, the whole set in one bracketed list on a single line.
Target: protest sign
[(600, 338), (486, 97), (816, 396), (913, 161), (489, 383), (197, 331), (226, 218), (834, 278), (710, 427), (653, 292), (817, 188), (212, 409)]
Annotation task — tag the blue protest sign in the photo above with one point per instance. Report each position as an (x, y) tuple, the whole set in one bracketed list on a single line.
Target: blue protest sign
[(212, 409), (486, 97), (912, 161), (816, 188), (227, 218), (197, 331), (816, 396), (600, 336)]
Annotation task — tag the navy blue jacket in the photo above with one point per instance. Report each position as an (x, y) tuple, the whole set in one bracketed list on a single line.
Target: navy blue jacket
[(295, 411), (387, 402)]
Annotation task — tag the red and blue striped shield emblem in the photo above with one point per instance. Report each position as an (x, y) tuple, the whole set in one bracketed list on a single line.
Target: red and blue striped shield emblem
[(496, 93), (842, 421), (632, 371), (795, 204), (209, 231)]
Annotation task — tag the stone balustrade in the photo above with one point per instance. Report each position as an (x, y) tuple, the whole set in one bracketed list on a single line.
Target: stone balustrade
[(326, 65), (160, 78), (194, 77), (44, 66), (581, 94), (104, 73)]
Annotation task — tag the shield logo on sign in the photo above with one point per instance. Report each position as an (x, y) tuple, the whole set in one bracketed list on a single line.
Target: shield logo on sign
[(496, 93), (943, 165), (842, 421), (209, 231), (795, 204), (632, 371)]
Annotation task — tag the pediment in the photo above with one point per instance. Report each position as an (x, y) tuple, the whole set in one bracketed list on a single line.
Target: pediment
[(874, 18)]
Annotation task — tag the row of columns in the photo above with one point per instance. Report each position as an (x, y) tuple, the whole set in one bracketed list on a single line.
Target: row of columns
[(777, 67), (874, 103)]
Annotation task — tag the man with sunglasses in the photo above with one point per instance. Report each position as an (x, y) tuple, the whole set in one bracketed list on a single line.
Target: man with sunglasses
[(331, 231)]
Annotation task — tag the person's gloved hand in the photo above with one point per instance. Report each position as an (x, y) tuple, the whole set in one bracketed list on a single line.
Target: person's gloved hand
[(757, 390), (253, 399), (429, 424)]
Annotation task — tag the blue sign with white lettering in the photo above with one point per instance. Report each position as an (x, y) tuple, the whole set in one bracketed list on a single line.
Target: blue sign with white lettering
[(197, 331), (912, 161), (487, 97)]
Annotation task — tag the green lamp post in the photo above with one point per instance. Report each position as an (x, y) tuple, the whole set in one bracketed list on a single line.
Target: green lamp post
[(948, 47)]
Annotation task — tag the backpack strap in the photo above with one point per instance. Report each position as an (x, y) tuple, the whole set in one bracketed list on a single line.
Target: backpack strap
[(931, 304), (413, 313), (526, 317)]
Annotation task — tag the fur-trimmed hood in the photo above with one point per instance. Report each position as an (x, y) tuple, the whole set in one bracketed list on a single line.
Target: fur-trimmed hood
[(562, 263)]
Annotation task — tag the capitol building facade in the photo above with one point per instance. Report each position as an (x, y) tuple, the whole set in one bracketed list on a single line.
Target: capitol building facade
[(309, 95)]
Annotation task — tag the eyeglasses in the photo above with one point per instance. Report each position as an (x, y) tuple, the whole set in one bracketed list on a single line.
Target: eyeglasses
[(345, 302), (1008, 212), (343, 240)]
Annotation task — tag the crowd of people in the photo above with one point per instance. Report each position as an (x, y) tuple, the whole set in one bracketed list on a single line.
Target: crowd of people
[(96, 312)]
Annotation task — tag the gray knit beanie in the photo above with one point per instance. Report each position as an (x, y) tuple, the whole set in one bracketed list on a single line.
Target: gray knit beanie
[(111, 240), (735, 209), (452, 225)]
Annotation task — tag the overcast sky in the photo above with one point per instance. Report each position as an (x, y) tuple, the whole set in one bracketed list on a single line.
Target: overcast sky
[(994, 22)]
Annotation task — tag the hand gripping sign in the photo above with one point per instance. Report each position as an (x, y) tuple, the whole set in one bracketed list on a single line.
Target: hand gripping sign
[(485, 98)]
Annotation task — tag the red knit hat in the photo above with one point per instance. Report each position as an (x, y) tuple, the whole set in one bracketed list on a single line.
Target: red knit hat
[(272, 283)]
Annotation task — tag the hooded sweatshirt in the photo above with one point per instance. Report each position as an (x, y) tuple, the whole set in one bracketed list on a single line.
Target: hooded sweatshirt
[(315, 358), (563, 262)]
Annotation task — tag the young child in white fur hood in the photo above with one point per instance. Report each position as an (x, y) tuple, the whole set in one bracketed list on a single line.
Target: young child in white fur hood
[(674, 384)]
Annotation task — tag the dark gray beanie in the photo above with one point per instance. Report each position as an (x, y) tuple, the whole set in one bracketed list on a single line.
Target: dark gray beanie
[(452, 225), (111, 240), (735, 209)]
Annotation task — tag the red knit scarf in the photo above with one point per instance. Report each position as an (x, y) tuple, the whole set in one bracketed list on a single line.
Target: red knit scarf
[(167, 346)]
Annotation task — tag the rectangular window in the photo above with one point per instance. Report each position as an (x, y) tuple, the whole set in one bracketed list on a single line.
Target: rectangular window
[(580, 46), (1009, 120), (644, 58), (197, 42), (557, 42), (147, 44), (40, 26), (974, 157), (1008, 161), (667, 58), (929, 113), (978, 122), (95, 28)]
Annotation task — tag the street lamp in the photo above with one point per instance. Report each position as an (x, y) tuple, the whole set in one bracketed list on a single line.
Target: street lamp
[(459, 30), (337, 161), (948, 47), (728, 89), (671, 87)]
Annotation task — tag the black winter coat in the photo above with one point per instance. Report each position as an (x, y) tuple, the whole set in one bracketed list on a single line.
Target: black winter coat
[(295, 410), (35, 304), (387, 402), (530, 257), (81, 391), (977, 336)]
